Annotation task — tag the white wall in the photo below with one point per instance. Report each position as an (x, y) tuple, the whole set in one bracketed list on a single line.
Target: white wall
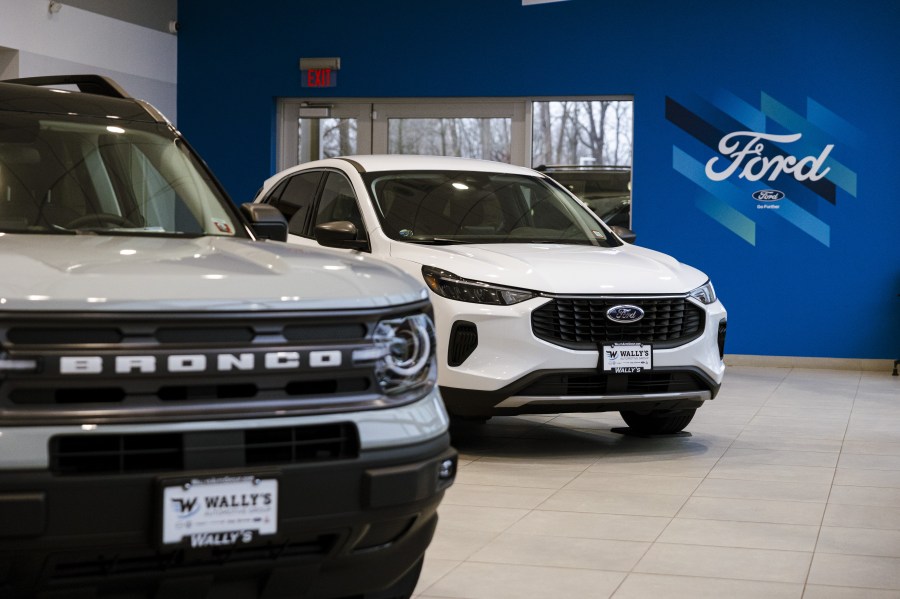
[(74, 41)]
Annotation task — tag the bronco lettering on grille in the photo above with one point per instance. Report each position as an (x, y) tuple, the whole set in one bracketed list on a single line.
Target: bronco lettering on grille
[(188, 363)]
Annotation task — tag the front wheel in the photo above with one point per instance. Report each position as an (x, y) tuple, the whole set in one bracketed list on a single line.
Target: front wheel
[(658, 422)]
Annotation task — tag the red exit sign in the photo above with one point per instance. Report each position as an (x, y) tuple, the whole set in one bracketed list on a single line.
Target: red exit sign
[(318, 78)]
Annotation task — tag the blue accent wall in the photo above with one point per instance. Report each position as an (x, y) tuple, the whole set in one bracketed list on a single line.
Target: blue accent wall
[(818, 276)]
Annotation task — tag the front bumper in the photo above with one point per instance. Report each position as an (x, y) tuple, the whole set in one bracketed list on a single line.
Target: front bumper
[(346, 525), (343, 529), (509, 358)]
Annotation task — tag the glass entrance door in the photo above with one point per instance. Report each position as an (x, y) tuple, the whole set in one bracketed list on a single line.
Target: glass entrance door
[(312, 131)]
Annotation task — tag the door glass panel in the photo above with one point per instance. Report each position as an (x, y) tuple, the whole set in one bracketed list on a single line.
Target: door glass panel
[(338, 203), (326, 138), (583, 133), (296, 198), (485, 138)]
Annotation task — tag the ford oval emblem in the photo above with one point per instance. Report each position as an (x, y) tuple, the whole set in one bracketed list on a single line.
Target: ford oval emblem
[(625, 314), (768, 195)]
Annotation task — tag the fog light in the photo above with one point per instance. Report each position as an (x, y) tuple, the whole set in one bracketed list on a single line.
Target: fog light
[(448, 469)]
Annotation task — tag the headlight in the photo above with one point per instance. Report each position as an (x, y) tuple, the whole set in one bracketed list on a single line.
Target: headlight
[(705, 293), (405, 348), (447, 284)]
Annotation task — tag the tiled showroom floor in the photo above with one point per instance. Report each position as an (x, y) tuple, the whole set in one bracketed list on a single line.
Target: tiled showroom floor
[(789, 486)]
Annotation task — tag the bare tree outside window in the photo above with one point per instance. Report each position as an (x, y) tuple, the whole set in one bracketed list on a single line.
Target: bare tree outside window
[(326, 138), (582, 133), (484, 138)]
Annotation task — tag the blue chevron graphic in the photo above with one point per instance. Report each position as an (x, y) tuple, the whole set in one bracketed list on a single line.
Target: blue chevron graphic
[(805, 204)]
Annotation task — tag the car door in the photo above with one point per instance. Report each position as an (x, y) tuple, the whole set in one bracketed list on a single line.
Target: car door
[(337, 201), (315, 197), (295, 197)]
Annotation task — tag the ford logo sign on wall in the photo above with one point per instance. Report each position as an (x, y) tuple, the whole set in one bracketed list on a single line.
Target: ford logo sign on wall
[(624, 314), (768, 195)]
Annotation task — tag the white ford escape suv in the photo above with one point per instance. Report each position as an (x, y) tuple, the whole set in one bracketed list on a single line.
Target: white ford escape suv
[(539, 306)]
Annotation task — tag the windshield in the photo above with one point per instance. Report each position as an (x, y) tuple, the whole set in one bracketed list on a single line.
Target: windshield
[(67, 175), (479, 207)]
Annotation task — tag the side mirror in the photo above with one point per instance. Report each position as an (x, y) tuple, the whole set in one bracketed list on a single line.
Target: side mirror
[(624, 233), (266, 221), (340, 234)]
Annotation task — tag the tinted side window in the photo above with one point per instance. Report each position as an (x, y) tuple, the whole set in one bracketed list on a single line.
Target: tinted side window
[(294, 197), (338, 202)]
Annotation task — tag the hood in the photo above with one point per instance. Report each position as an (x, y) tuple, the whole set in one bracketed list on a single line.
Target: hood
[(558, 268), (99, 273)]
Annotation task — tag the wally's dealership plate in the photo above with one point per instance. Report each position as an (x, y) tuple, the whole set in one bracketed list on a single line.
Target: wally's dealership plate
[(221, 511), (627, 357)]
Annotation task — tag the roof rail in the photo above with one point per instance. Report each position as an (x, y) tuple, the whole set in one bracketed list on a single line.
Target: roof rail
[(88, 84)]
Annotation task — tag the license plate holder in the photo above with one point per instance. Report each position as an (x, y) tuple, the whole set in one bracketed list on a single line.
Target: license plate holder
[(220, 511), (626, 358)]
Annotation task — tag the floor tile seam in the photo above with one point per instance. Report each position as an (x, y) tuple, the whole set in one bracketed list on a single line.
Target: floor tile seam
[(756, 580), (652, 574), (644, 475), (636, 477), (789, 450), (868, 469), (708, 476), (558, 511), (561, 567), (629, 493), (621, 494), (481, 486), (830, 490), (661, 532), (439, 578), (531, 467), (878, 555), (818, 501), (844, 586), (744, 521), (729, 462), (491, 539), (863, 527), (742, 578), (669, 543), (702, 481), (804, 484), (560, 536), (758, 521), (497, 484)]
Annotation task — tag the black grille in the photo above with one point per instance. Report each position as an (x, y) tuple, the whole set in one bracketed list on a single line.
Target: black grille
[(561, 384), (173, 452), (81, 567), (103, 367), (463, 341), (723, 325), (581, 323)]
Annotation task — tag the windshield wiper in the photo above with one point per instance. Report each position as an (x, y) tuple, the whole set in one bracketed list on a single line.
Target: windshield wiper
[(437, 241), (559, 241), (39, 231)]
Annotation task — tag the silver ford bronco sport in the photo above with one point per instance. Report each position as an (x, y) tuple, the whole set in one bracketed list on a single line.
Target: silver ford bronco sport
[(185, 409)]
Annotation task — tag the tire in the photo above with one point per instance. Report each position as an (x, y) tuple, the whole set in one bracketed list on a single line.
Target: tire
[(658, 422), (403, 588)]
